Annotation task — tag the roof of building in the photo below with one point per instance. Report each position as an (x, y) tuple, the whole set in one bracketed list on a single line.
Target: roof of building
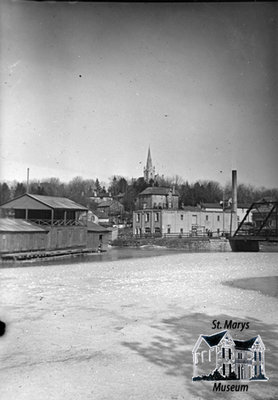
[(105, 203), (191, 208), (92, 227), (245, 344), (212, 205), (157, 190), (243, 205), (18, 225), (27, 201), (109, 203), (220, 207), (213, 340)]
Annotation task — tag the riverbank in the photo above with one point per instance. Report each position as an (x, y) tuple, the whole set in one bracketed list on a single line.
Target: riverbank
[(160, 244), (186, 243)]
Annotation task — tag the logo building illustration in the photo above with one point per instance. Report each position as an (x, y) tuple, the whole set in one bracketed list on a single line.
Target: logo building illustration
[(220, 357)]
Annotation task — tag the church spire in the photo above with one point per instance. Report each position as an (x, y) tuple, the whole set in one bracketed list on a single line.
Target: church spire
[(149, 170), (149, 159)]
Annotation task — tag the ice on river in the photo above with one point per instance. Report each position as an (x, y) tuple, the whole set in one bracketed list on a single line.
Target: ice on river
[(125, 329)]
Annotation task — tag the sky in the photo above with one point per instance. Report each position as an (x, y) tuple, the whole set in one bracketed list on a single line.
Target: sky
[(86, 88)]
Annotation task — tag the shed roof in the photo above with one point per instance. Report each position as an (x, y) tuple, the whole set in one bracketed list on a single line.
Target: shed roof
[(36, 201), (18, 225), (164, 191), (92, 227)]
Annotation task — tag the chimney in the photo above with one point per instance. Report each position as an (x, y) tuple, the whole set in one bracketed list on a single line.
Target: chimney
[(234, 191)]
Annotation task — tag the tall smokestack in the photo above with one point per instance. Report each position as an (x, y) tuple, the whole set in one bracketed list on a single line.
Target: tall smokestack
[(234, 191)]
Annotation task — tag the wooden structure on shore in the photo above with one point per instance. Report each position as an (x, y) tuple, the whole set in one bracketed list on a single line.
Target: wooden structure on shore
[(17, 235), (48, 225), (45, 210)]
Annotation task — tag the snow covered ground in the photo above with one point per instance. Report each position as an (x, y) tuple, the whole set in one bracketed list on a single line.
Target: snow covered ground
[(125, 329)]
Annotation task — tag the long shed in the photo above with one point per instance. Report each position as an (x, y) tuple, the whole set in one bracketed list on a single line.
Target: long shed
[(17, 235), (45, 210), (59, 216)]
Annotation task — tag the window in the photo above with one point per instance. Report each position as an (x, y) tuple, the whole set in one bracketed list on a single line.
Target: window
[(260, 356), (255, 356), (207, 217), (147, 230), (147, 217), (224, 368), (230, 369), (230, 354), (182, 217), (218, 217), (255, 370), (157, 230), (223, 352), (156, 217), (239, 356), (137, 217)]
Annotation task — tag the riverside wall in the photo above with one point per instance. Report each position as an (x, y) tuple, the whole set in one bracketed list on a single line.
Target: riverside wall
[(191, 244)]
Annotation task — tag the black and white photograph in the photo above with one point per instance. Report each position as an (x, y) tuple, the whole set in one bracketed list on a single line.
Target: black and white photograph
[(138, 200)]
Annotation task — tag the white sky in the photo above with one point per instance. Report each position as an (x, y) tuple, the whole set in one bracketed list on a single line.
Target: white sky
[(86, 88)]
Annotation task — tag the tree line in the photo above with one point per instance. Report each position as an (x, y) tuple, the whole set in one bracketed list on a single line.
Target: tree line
[(82, 190)]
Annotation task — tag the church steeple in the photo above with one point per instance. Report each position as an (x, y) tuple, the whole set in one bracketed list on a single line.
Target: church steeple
[(149, 159), (149, 170)]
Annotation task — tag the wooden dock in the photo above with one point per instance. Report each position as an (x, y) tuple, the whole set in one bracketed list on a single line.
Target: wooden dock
[(31, 255)]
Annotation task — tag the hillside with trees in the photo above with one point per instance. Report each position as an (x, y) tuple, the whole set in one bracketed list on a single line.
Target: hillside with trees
[(126, 190)]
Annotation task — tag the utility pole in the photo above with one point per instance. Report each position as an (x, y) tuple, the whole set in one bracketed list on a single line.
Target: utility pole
[(233, 226), (27, 187), (223, 208)]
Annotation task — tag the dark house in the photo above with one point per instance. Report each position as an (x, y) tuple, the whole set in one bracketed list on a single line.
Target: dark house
[(98, 237), (158, 197), (113, 210)]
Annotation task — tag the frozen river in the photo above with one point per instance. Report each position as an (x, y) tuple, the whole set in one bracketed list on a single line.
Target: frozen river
[(123, 325)]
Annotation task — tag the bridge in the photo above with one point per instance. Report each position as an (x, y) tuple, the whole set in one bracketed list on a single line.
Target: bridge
[(264, 227)]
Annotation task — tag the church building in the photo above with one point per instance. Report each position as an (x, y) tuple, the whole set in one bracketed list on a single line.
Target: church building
[(149, 170)]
